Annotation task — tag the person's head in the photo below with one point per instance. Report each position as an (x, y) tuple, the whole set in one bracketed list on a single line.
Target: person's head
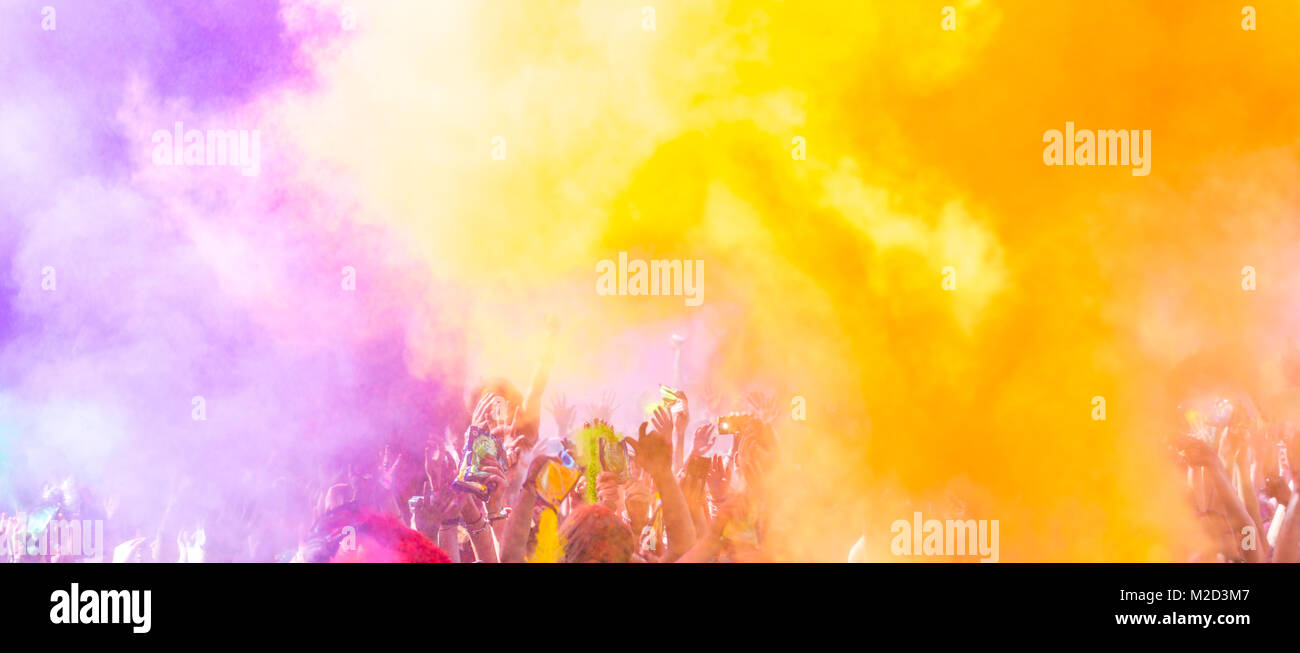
[(498, 386), (593, 533), (513, 401), (351, 533)]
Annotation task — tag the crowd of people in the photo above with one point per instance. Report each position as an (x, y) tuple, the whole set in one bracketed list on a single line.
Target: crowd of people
[(489, 490), (1240, 480), (676, 487)]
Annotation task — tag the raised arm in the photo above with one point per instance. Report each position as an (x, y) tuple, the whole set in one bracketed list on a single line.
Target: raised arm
[(1198, 453), (694, 475), (654, 454), (1245, 477), (437, 512), (533, 402), (514, 541), (1287, 546), (709, 544)]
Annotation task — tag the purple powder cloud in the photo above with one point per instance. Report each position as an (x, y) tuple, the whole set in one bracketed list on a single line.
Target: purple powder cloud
[(175, 283)]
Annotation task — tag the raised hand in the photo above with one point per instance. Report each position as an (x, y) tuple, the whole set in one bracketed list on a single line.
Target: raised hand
[(681, 411), (439, 500), (654, 453), (763, 405), (654, 448), (496, 482), (562, 411), (422, 518), (514, 449), (662, 420), (439, 466), (605, 409), (130, 550), (1196, 452), (504, 430), (182, 544), (483, 411), (719, 478), (704, 438), (435, 504), (388, 468)]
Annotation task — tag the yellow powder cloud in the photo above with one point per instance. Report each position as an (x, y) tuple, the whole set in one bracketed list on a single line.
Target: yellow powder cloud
[(824, 275)]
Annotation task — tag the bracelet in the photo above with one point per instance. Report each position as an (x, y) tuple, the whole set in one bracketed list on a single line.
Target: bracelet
[(478, 528), (505, 512), (454, 521)]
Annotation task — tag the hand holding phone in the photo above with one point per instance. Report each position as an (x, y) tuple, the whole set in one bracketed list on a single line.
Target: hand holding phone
[(559, 472), (480, 444)]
